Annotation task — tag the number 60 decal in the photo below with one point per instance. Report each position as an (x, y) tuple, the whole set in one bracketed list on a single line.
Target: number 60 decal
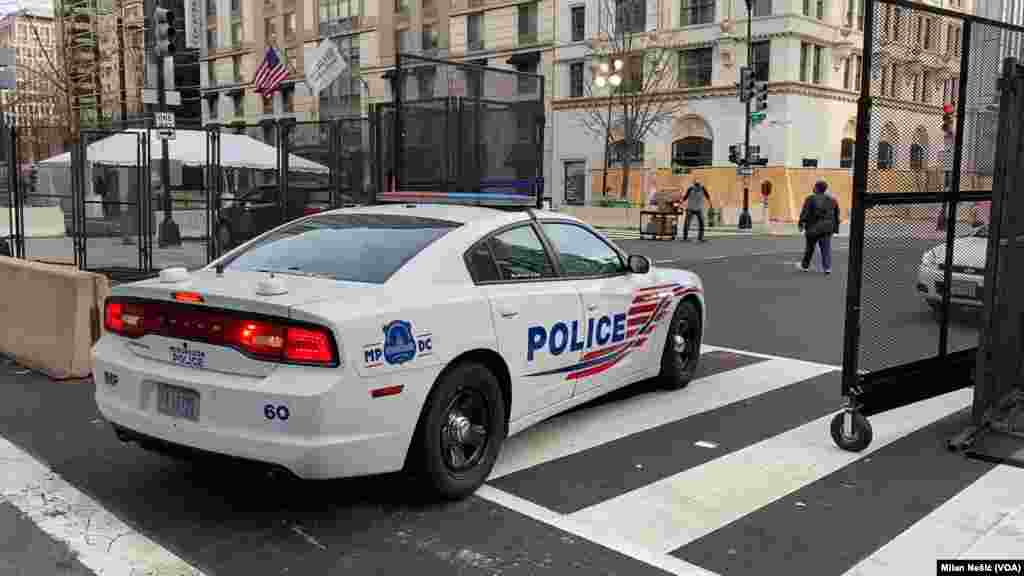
[(279, 412)]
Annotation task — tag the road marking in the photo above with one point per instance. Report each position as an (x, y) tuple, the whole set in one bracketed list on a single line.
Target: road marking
[(574, 432), (673, 512), (665, 562), (102, 542), (973, 524), (712, 348)]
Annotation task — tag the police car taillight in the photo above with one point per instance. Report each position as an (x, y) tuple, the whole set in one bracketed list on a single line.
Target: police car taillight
[(262, 339), (126, 319)]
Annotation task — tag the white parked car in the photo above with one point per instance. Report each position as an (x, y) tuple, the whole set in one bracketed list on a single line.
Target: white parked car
[(968, 274), (376, 339)]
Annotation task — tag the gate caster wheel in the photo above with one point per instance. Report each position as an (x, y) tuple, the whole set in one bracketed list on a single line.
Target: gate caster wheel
[(851, 431)]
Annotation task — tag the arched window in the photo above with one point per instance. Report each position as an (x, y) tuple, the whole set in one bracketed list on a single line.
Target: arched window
[(692, 151), (618, 153), (846, 150), (885, 155), (916, 157)]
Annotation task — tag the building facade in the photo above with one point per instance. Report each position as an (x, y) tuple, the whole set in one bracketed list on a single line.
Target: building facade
[(33, 37), (809, 52)]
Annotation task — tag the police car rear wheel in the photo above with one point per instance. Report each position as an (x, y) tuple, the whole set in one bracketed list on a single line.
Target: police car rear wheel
[(461, 431), (682, 348)]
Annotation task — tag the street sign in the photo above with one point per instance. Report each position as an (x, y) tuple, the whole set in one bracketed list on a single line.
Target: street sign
[(194, 23), (165, 125), (323, 65), (150, 96)]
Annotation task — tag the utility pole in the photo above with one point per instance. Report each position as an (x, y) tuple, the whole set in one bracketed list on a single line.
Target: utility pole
[(750, 64), (163, 50)]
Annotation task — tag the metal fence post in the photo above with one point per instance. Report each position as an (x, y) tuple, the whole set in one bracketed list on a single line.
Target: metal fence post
[(851, 334), (284, 127), (952, 216)]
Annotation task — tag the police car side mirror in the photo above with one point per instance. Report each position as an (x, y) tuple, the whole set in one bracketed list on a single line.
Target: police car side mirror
[(639, 264)]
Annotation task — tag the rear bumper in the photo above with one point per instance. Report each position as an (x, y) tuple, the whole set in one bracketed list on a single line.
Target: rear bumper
[(332, 429), (931, 287)]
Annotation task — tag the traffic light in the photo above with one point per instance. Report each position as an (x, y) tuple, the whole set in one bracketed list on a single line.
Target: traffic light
[(163, 24), (746, 84), (734, 153), (760, 96), (947, 119)]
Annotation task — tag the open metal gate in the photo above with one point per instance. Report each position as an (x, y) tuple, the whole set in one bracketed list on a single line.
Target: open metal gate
[(927, 121)]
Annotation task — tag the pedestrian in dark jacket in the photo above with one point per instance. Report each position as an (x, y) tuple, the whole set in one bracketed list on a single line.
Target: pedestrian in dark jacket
[(819, 220), (694, 199)]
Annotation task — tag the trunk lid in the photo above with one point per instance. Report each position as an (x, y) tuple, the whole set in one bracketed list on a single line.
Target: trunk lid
[(239, 294)]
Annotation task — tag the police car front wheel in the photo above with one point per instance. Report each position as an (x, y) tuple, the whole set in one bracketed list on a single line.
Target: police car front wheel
[(681, 355), (461, 431)]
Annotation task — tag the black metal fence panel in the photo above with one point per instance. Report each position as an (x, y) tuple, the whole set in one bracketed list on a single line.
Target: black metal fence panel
[(927, 130), (462, 133)]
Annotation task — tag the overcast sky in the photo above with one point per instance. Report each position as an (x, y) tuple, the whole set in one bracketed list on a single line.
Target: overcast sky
[(34, 6)]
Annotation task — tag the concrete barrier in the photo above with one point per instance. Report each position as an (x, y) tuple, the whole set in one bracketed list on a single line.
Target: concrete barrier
[(50, 316), (40, 222)]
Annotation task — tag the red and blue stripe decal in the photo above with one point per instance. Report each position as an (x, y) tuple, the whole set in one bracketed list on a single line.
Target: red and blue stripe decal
[(649, 307)]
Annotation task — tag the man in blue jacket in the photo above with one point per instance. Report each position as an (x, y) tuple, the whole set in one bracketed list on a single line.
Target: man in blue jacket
[(819, 220)]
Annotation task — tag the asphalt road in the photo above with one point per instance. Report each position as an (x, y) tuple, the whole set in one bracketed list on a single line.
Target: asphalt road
[(758, 300), (224, 518)]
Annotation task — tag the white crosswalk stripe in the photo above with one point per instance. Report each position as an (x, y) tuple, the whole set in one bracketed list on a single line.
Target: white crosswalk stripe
[(657, 520)]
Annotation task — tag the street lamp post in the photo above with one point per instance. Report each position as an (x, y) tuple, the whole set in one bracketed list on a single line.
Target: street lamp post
[(606, 76)]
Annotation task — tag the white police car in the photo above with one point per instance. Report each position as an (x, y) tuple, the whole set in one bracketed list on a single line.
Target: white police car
[(373, 339), (968, 271)]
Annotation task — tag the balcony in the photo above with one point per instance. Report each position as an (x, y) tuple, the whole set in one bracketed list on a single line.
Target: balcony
[(475, 45), (528, 38)]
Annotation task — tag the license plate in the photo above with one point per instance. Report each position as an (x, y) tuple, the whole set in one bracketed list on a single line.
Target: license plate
[(189, 358), (178, 402), (965, 289)]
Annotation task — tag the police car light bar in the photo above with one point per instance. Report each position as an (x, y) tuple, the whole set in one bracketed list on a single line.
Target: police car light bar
[(496, 192)]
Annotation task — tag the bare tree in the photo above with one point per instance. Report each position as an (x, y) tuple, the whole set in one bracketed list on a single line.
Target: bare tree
[(642, 104)]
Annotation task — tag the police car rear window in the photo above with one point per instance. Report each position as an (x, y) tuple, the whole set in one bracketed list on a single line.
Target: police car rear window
[(348, 247)]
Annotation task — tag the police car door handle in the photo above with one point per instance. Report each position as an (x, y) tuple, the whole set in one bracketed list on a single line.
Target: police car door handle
[(591, 307), (508, 312)]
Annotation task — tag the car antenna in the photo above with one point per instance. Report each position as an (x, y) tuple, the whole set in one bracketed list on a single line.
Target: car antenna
[(219, 268)]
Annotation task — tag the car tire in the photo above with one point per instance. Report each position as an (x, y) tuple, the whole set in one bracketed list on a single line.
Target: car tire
[(466, 401), (680, 356), (224, 240)]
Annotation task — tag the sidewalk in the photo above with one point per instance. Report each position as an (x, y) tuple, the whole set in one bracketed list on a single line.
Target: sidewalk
[(775, 229)]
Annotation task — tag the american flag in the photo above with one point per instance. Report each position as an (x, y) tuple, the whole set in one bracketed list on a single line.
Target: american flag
[(271, 73)]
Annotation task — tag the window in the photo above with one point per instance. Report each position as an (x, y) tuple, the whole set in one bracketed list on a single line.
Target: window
[(846, 150), (819, 57), (236, 33), (618, 153), (270, 31), (692, 151), (807, 7), (693, 12), (346, 247), (211, 8), (238, 99), (695, 68), (474, 31), (520, 255), (579, 24), (575, 183), (861, 14), (576, 80), (885, 155), (634, 74), (580, 253), (916, 157), (762, 7), (212, 106), (762, 52), (856, 71), (268, 104), (846, 73), (289, 27), (425, 78), (630, 15), (805, 55), (288, 99), (528, 24), (928, 44), (429, 37), (481, 264)]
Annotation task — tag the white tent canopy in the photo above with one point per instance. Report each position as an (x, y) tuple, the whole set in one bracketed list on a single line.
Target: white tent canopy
[(188, 148)]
